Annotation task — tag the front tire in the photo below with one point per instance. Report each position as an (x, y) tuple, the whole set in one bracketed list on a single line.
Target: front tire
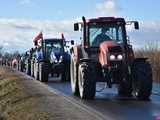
[(43, 72), (74, 78), (32, 68), (66, 73), (125, 85), (142, 80), (36, 71), (28, 68), (86, 81)]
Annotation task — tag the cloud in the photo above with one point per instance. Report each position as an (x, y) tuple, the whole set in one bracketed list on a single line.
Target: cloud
[(149, 32), (18, 34), (108, 7)]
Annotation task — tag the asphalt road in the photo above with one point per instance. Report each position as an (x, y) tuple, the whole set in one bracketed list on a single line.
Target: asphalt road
[(110, 105)]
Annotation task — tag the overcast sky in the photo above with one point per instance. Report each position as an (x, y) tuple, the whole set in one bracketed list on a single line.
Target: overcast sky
[(21, 20)]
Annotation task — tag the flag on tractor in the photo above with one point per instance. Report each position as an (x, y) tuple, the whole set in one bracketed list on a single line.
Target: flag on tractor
[(38, 37)]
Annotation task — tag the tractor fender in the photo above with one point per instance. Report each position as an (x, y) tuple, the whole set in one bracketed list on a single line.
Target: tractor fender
[(139, 60), (76, 53), (86, 60), (135, 61)]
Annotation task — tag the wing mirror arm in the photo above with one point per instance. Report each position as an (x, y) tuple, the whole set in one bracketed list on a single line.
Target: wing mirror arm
[(136, 24)]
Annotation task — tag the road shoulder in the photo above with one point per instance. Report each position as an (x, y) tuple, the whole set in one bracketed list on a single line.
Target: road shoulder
[(21, 98)]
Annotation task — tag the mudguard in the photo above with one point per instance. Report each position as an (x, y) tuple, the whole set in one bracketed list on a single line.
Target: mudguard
[(140, 60), (76, 53)]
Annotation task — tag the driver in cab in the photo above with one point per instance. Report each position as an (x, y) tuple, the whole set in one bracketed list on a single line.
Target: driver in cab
[(101, 37)]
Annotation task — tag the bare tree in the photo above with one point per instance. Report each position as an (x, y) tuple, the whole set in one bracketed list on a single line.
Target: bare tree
[(152, 52)]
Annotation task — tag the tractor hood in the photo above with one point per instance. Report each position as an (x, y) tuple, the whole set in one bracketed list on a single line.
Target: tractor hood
[(107, 44), (108, 48)]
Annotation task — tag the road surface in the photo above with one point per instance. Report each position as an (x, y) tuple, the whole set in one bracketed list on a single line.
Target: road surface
[(112, 106)]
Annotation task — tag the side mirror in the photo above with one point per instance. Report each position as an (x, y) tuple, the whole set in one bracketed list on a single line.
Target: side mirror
[(76, 27), (136, 25), (72, 42)]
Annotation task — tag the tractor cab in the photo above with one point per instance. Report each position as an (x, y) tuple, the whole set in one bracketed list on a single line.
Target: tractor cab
[(53, 47), (98, 30), (105, 35)]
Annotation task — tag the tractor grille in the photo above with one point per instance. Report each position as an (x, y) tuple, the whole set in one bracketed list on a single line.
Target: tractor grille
[(115, 49), (116, 63)]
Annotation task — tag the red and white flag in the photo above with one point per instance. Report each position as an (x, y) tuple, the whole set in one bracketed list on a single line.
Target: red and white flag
[(38, 37)]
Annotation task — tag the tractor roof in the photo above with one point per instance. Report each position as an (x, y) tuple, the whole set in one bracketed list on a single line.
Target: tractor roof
[(105, 19)]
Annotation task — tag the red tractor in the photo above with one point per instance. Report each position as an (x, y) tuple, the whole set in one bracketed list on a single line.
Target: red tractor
[(105, 55)]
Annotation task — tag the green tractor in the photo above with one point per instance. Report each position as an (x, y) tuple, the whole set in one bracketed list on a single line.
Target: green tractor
[(50, 58)]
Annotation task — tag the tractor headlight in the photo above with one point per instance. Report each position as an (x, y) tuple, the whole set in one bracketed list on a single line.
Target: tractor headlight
[(53, 58), (61, 59), (112, 57), (119, 57)]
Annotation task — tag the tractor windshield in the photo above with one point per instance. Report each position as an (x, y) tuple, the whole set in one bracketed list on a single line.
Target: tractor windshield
[(99, 33), (54, 47)]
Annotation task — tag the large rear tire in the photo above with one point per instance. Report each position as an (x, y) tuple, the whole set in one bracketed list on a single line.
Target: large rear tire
[(43, 72), (36, 71), (66, 73), (74, 78), (86, 81), (125, 85), (64, 77), (142, 80), (32, 68), (21, 66), (28, 68)]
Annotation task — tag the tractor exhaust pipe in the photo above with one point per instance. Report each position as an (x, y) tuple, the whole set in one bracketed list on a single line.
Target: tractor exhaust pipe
[(84, 20), (84, 31)]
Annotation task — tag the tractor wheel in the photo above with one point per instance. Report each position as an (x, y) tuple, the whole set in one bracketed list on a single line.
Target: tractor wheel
[(28, 69), (66, 73), (125, 89), (36, 71), (125, 86), (141, 80), (64, 76), (86, 81), (43, 72), (18, 68), (32, 68), (21, 67), (74, 78)]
